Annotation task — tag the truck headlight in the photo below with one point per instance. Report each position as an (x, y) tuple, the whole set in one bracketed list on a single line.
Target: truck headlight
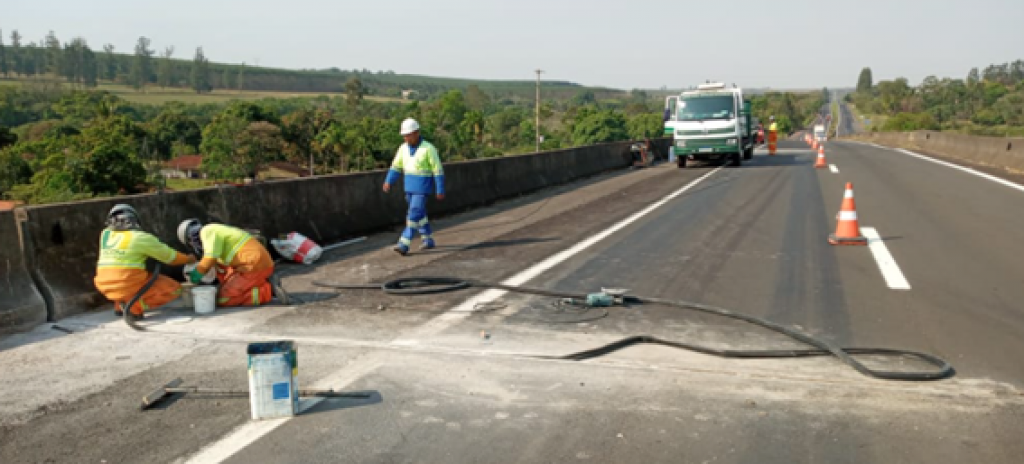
[(730, 142)]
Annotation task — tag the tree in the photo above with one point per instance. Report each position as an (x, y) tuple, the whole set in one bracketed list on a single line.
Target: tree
[(14, 169), (17, 63), (476, 99), (201, 72), (865, 82), (1011, 108), (241, 78), (55, 55), (165, 73), (172, 126), (142, 65), (644, 126), (354, 91), (225, 80), (109, 69), (4, 67), (598, 127), (973, 77), (7, 137)]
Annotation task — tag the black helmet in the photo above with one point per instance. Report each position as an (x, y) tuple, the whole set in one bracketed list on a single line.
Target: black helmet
[(123, 217)]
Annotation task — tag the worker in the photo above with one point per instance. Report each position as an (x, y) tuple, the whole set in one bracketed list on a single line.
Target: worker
[(121, 269), (773, 136), (244, 266), (418, 160)]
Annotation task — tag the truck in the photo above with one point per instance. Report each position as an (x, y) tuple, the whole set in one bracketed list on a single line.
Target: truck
[(819, 133), (710, 123)]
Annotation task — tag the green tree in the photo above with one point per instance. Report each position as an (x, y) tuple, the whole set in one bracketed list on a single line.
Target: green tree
[(54, 55), (599, 127), (476, 99), (645, 125), (172, 126), (1011, 108), (142, 65), (865, 81), (165, 71), (241, 78), (4, 66), (17, 62), (201, 73), (14, 170), (109, 68), (354, 91), (225, 79), (973, 77), (7, 137)]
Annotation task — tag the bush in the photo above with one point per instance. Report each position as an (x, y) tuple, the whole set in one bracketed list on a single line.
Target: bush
[(910, 122)]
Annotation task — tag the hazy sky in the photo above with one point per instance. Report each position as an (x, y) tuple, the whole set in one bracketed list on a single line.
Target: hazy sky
[(623, 44)]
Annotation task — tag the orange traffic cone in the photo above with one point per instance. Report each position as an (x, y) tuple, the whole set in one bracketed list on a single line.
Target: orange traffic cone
[(821, 158), (848, 229), (814, 144)]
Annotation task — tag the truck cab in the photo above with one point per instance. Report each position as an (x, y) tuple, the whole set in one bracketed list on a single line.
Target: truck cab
[(711, 123), (819, 133)]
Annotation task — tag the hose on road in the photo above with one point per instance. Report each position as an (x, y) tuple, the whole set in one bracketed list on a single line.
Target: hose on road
[(126, 310), (433, 285)]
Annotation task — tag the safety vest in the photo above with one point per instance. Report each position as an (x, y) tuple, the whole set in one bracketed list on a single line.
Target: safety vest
[(128, 249), (222, 242), (423, 171), (773, 127)]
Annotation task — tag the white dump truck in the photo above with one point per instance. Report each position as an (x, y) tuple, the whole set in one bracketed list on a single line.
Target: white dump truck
[(710, 123)]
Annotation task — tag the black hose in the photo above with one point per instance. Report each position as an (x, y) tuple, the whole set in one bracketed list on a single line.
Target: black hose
[(431, 285), (126, 310)]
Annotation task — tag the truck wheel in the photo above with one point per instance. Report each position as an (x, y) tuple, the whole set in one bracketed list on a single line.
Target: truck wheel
[(748, 153), (737, 160), (681, 162)]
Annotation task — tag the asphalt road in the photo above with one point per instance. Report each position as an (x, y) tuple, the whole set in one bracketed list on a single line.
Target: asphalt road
[(451, 386)]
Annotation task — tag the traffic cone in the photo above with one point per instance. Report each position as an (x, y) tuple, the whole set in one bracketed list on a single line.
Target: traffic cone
[(814, 144), (821, 158), (848, 229)]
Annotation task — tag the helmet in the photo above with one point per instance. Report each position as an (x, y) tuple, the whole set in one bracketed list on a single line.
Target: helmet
[(409, 126), (123, 217), (188, 229), (772, 118)]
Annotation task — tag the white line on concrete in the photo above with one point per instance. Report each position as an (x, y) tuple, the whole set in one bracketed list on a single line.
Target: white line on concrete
[(961, 168), (249, 433), (886, 263), (833, 168)]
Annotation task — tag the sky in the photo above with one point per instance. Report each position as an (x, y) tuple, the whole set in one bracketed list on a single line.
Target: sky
[(622, 44)]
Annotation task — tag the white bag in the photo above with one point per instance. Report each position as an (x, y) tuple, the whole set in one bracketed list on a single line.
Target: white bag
[(298, 248), (209, 278)]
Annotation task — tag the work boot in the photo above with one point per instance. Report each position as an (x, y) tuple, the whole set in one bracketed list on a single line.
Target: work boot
[(277, 290), (428, 245), (401, 250), (117, 310)]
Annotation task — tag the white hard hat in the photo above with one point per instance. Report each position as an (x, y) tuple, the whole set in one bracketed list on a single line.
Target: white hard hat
[(409, 126), (186, 228)]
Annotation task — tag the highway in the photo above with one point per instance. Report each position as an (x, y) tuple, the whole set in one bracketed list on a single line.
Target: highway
[(450, 379)]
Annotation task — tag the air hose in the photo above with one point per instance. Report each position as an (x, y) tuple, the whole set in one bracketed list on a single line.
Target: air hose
[(432, 285), (127, 308)]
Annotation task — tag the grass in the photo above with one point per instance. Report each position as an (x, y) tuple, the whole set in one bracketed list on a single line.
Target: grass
[(157, 96), (189, 184), (877, 120)]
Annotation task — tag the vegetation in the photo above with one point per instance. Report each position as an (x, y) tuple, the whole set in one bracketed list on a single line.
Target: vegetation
[(986, 102)]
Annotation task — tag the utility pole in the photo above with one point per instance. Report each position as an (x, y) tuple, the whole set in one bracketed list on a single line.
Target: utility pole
[(536, 137)]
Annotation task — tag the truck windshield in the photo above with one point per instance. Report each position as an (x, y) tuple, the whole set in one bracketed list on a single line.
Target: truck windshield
[(702, 108)]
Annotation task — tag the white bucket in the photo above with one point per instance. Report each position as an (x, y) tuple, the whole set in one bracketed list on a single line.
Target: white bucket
[(204, 299)]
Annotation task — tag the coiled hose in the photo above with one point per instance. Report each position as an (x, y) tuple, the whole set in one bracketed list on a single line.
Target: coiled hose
[(432, 285)]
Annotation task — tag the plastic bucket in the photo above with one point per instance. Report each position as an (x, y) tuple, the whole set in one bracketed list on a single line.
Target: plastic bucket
[(204, 299)]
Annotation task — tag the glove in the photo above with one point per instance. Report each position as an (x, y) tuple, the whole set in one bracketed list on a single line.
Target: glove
[(195, 277)]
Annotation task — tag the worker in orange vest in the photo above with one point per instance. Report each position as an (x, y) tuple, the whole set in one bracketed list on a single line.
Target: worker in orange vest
[(773, 137)]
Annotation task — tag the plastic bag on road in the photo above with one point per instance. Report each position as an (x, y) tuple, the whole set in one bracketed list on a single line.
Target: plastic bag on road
[(298, 248)]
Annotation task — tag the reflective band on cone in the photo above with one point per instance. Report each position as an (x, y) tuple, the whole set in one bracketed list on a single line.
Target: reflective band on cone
[(848, 229)]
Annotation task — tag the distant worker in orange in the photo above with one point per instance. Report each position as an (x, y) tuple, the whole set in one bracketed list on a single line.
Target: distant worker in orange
[(244, 267), (121, 270), (773, 136)]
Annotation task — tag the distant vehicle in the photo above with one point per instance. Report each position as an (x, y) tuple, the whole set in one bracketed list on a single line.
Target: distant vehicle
[(711, 123), (819, 133)]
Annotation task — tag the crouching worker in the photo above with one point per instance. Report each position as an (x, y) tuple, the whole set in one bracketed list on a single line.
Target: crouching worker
[(121, 269), (244, 266)]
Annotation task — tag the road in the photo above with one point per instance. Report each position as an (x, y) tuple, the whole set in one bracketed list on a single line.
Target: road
[(451, 379)]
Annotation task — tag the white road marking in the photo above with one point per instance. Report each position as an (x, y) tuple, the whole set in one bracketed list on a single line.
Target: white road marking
[(964, 169), (886, 263), (249, 433), (833, 168), (462, 311)]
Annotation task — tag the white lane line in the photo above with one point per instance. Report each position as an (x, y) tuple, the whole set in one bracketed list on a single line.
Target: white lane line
[(964, 169), (833, 168), (886, 263), (462, 311), (249, 433)]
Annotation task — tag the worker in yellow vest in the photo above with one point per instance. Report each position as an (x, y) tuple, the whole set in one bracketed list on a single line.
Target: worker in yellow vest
[(418, 163), (773, 137), (244, 266), (121, 270)]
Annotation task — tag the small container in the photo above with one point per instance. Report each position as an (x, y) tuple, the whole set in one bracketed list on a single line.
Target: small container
[(204, 299), (273, 389)]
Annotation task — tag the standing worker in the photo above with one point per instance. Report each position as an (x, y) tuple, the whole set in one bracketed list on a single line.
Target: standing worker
[(121, 270), (773, 136), (418, 160), (244, 266)]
